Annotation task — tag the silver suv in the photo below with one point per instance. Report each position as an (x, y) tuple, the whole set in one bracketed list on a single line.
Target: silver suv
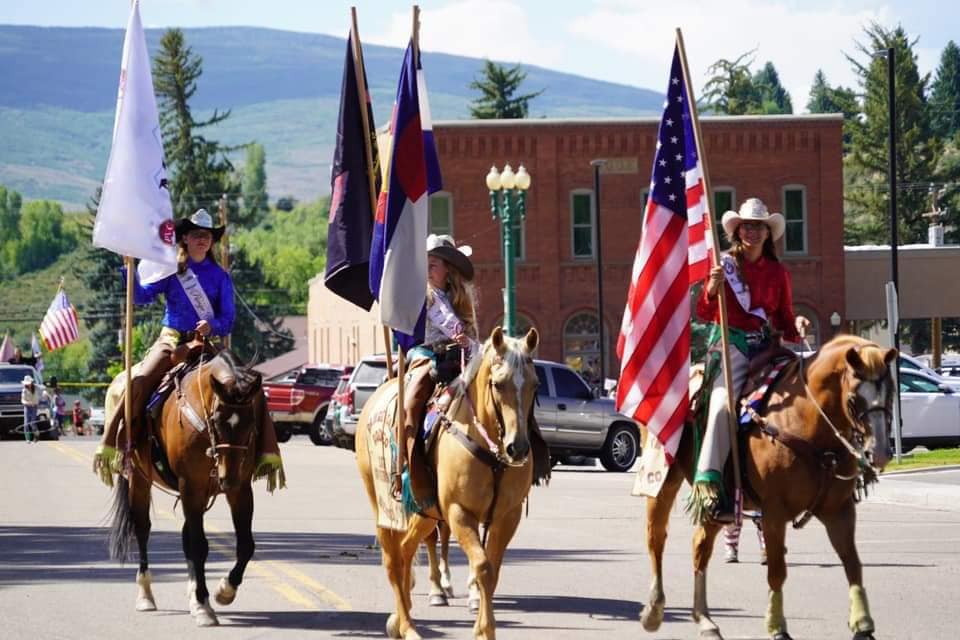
[(576, 422)]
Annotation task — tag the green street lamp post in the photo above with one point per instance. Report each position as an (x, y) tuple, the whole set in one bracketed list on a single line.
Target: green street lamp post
[(508, 200)]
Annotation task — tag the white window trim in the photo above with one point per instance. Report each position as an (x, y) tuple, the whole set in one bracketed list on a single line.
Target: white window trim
[(449, 196), (593, 225), (804, 218)]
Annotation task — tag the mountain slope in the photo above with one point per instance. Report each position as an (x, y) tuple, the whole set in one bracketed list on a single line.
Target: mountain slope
[(57, 110)]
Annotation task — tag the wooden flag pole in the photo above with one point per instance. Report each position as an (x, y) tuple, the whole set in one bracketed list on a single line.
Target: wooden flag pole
[(224, 250), (128, 352), (724, 335), (358, 71)]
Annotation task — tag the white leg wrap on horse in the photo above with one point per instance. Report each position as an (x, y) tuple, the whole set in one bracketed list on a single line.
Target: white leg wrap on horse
[(652, 615), (700, 607), (776, 623), (860, 619), (145, 601)]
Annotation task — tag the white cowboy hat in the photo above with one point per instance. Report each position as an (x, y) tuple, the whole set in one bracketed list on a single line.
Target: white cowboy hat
[(444, 247), (27, 379), (201, 219), (753, 210)]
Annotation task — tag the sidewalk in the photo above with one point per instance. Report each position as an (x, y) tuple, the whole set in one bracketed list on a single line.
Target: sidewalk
[(933, 488)]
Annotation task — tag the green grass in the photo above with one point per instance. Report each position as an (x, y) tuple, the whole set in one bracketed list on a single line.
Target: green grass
[(921, 460)]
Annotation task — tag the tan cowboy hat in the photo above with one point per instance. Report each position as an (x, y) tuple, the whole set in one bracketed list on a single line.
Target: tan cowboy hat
[(445, 248), (199, 220), (753, 210), (27, 380)]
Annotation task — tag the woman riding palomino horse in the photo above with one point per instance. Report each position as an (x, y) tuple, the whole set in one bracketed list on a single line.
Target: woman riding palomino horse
[(199, 307), (203, 444), (824, 433)]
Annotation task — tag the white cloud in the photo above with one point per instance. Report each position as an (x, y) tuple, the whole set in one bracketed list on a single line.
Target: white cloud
[(797, 38), (495, 29)]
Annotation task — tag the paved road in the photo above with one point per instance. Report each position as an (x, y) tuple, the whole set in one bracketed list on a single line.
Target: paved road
[(577, 568)]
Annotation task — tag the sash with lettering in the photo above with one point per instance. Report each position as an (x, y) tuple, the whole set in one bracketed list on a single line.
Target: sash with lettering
[(739, 288), (196, 295)]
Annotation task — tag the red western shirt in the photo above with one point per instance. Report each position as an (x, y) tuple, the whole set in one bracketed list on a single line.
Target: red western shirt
[(769, 285)]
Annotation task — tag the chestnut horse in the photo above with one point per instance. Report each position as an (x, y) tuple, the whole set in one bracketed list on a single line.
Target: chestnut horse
[(826, 424), (204, 442), (471, 490)]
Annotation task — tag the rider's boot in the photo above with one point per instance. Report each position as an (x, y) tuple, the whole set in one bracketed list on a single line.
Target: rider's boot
[(269, 462), (419, 490)]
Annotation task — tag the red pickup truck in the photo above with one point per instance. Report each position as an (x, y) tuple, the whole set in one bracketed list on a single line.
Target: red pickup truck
[(298, 403)]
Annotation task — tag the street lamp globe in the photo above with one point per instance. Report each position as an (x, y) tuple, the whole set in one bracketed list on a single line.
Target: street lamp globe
[(493, 179), (523, 178), (508, 178)]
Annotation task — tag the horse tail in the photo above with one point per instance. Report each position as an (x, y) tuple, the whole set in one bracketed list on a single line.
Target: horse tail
[(122, 533)]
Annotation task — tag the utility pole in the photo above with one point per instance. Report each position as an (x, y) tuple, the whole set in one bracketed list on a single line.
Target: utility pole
[(597, 168)]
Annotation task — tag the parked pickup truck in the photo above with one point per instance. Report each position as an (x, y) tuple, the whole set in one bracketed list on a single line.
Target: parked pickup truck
[(300, 405), (11, 411)]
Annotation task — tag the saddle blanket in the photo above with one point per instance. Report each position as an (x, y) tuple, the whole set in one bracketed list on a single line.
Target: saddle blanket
[(381, 448), (752, 406)]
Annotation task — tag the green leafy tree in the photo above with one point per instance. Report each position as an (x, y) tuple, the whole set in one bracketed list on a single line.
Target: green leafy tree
[(10, 204), (498, 86), (827, 99), (774, 98), (867, 196), (945, 94), (254, 185), (731, 88), (198, 169), (42, 236)]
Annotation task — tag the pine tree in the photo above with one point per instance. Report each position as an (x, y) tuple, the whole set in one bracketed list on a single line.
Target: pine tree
[(199, 169), (731, 89), (254, 185), (497, 86), (866, 213), (774, 97), (945, 94)]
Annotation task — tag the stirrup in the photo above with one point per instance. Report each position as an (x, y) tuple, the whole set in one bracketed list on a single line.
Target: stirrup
[(270, 466), (107, 462)]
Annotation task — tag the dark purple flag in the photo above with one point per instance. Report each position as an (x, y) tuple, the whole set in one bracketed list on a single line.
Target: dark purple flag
[(351, 214)]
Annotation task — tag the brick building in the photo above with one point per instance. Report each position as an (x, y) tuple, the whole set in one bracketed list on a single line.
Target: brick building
[(793, 163)]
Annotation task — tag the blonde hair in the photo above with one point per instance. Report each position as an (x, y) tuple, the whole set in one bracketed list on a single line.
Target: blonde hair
[(463, 299)]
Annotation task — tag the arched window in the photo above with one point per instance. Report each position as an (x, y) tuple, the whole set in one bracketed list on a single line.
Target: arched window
[(813, 331), (581, 345)]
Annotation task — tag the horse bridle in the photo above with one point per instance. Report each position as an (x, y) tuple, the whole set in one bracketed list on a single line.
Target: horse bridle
[(214, 450)]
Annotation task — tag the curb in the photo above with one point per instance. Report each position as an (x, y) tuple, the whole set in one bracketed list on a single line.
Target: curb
[(936, 467), (917, 494)]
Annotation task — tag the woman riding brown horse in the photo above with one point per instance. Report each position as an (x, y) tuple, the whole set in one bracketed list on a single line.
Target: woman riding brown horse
[(484, 472), (825, 430), (203, 444)]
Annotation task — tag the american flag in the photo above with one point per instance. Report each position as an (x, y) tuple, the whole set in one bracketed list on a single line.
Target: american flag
[(59, 327), (654, 343)]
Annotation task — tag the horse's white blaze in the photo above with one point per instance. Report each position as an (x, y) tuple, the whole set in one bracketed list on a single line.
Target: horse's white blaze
[(233, 420)]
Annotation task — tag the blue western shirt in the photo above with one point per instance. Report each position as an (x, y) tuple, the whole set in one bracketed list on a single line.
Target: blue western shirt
[(180, 314)]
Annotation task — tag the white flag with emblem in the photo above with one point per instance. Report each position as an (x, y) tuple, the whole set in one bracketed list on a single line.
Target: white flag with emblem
[(135, 216)]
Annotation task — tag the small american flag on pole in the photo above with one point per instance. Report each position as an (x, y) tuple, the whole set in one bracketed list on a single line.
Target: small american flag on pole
[(59, 327), (654, 342)]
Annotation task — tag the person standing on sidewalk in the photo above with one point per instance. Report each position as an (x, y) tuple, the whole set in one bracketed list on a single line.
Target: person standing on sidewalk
[(30, 399)]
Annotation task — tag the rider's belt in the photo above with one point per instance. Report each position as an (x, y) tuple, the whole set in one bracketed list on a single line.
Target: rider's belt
[(179, 337)]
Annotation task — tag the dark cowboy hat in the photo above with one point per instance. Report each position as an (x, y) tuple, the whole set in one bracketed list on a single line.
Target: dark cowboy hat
[(199, 220), (446, 249)]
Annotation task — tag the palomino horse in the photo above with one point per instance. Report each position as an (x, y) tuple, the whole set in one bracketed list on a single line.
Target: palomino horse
[(204, 442), (827, 423), (472, 489)]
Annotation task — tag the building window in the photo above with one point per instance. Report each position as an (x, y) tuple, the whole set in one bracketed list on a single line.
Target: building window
[(581, 214), (724, 199), (581, 345), (795, 212), (441, 213)]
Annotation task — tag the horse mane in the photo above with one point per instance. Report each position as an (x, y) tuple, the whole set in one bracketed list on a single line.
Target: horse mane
[(871, 354), (239, 379)]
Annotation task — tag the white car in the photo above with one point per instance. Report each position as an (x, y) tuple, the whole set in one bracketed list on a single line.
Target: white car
[(930, 410), (97, 419), (909, 363)]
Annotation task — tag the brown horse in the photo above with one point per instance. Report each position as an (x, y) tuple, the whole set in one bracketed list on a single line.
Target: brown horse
[(203, 444), (827, 423), (501, 388)]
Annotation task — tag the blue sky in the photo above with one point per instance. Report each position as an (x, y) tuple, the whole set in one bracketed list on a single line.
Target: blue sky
[(625, 41)]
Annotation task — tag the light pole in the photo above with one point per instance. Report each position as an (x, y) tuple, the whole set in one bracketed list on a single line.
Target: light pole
[(508, 199), (597, 167)]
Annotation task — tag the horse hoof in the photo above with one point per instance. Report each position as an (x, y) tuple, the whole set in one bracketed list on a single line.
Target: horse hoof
[(437, 600), (863, 635), (206, 618), (226, 593), (146, 604), (412, 635), (448, 591), (651, 617), (474, 605), (393, 626), (783, 635)]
